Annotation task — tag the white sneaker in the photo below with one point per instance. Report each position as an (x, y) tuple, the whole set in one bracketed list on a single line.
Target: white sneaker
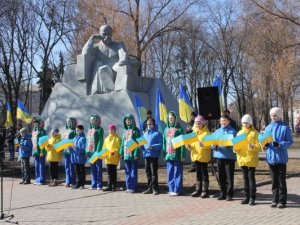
[(99, 189), (91, 188), (35, 183)]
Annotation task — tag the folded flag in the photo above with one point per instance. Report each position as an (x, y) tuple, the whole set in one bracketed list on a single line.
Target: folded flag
[(141, 141), (63, 144), (265, 138), (184, 139), (240, 141), (43, 141)]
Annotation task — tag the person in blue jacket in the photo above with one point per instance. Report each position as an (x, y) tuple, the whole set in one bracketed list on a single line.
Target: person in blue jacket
[(78, 156), (225, 160), (277, 156), (25, 151), (151, 152)]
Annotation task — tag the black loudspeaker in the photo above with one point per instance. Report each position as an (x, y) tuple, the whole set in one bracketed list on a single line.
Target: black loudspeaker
[(209, 103)]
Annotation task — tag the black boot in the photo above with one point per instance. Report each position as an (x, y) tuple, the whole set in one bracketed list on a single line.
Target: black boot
[(198, 190), (252, 201), (204, 193), (245, 201)]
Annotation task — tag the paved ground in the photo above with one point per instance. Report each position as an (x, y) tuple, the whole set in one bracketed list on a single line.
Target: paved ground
[(44, 205)]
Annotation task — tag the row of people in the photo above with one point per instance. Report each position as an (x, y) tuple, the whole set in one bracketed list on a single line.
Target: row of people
[(85, 145)]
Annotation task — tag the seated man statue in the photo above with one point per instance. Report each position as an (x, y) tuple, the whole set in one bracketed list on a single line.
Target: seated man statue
[(109, 59)]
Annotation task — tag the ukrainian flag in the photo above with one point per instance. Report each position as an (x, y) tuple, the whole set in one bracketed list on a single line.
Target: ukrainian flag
[(218, 83), (240, 141), (184, 139), (265, 138), (8, 123), (132, 144), (161, 113), (63, 144), (94, 157), (140, 111), (103, 153), (141, 141), (185, 105), (22, 113), (43, 141)]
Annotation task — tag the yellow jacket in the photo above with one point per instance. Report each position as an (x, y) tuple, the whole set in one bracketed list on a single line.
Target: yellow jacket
[(113, 143), (198, 153), (52, 155), (247, 156)]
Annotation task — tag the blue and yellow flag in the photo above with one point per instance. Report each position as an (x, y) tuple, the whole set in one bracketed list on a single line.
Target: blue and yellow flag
[(185, 105), (265, 138), (184, 139), (140, 111), (43, 141), (141, 141), (8, 123), (161, 113), (240, 141), (94, 157), (63, 144), (22, 113), (218, 83)]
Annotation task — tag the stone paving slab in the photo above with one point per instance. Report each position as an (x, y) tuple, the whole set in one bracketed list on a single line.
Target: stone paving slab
[(32, 205)]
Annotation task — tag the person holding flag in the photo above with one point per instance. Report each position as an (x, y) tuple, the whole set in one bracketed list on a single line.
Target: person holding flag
[(94, 143), (225, 160), (70, 133), (174, 157), (130, 132), (151, 152), (112, 142), (78, 156), (247, 159), (277, 156), (38, 153), (200, 155), (53, 157)]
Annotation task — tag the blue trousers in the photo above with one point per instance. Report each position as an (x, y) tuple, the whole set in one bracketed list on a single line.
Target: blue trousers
[(39, 163), (131, 174), (175, 176), (96, 174), (70, 170)]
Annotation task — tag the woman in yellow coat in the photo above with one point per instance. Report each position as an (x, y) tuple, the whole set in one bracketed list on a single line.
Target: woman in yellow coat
[(53, 157), (200, 155), (247, 159), (112, 143)]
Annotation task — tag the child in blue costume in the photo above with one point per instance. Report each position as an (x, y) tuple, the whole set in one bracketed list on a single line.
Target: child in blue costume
[(95, 143), (130, 158), (38, 153), (70, 133)]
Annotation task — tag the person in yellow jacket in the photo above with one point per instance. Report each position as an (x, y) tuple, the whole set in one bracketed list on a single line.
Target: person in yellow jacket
[(53, 157), (247, 159), (200, 155), (112, 142)]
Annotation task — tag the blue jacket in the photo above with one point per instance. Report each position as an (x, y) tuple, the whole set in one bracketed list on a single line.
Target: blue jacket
[(78, 152), (25, 149), (155, 139), (221, 152), (281, 133)]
